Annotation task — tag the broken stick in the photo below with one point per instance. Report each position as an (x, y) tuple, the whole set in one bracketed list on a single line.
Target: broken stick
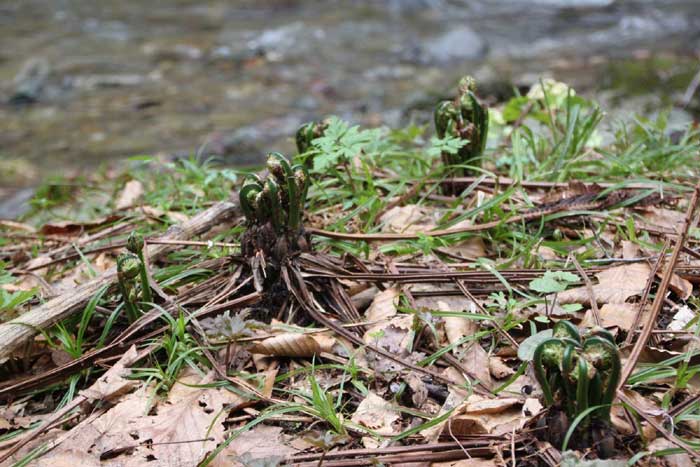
[(18, 331)]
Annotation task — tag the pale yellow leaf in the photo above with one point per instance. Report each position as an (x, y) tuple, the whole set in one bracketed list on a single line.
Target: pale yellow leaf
[(130, 195)]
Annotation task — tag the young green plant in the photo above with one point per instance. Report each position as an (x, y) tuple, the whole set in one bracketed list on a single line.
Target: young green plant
[(577, 372), (466, 119)]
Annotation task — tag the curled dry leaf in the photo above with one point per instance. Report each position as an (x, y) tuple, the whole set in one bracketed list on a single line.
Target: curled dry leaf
[(377, 414), (419, 392), (479, 415), (292, 345), (130, 195), (681, 287), (499, 369)]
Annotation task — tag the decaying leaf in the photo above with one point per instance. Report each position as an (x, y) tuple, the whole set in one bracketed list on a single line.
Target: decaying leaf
[(615, 285), (499, 369), (377, 414), (130, 195), (475, 362), (620, 315), (292, 345), (71, 229), (114, 383), (393, 335), (406, 219), (474, 462), (383, 306), (182, 430), (479, 415), (260, 443)]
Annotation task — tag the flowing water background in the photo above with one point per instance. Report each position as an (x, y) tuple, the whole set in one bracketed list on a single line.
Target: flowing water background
[(83, 83)]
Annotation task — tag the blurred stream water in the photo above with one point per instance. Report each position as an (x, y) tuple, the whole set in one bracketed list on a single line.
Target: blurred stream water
[(82, 83)]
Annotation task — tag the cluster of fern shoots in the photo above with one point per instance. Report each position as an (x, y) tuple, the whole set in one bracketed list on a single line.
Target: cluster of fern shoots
[(579, 374)]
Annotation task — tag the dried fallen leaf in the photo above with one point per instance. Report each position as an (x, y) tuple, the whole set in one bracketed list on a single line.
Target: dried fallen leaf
[(681, 287), (662, 217), (73, 229), (615, 285), (499, 369), (383, 306), (406, 219), (12, 225), (479, 415), (546, 253), (130, 195), (289, 345), (457, 328), (681, 459), (474, 462), (475, 361), (630, 250), (181, 432), (377, 414), (419, 391), (67, 458), (259, 444), (620, 315), (471, 248)]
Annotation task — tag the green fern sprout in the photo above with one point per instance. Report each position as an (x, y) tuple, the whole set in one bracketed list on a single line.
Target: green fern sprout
[(578, 372), (274, 207), (463, 118)]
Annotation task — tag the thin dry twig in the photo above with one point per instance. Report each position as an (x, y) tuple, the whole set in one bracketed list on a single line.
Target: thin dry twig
[(589, 289), (661, 292)]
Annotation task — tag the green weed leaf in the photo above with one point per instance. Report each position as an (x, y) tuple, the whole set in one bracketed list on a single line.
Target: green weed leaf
[(553, 282)]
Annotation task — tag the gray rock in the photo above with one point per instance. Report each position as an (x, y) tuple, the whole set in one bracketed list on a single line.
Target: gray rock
[(460, 43), (30, 81), (15, 203)]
